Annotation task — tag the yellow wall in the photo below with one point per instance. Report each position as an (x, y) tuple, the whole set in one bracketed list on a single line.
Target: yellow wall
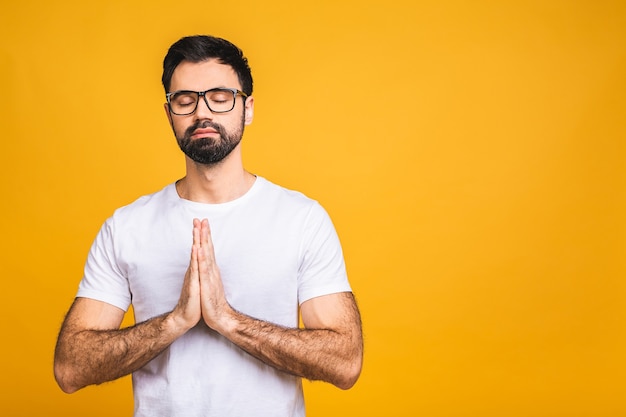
[(471, 153)]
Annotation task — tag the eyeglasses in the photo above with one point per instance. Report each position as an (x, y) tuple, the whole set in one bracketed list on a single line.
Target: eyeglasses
[(218, 100)]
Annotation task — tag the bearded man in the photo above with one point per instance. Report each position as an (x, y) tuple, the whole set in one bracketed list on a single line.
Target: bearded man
[(219, 266)]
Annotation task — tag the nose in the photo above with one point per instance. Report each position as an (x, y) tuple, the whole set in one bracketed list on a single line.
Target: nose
[(202, 109)]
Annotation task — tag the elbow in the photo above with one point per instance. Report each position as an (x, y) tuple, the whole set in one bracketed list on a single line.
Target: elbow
[(350, 374), (66, 386), (64, 379), (68, 389)]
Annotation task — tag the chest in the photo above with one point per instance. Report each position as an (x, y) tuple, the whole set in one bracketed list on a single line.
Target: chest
[(258, 261)]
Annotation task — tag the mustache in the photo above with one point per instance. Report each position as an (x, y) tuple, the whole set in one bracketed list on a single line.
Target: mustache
[(203, 124)]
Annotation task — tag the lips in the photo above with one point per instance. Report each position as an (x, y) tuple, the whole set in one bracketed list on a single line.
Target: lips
[(203, 132)]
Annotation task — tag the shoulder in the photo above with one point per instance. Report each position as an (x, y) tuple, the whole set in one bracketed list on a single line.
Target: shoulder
[(285, 196), (145, 207), (286, 204), (147, 202)]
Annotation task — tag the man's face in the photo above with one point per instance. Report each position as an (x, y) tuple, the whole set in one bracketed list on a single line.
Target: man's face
[(206, 137)]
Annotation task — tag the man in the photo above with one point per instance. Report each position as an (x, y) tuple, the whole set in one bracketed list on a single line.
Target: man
[(217, 300)]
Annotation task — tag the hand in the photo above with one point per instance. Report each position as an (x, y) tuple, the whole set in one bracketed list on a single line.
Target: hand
[(215, 308), (188, 311)]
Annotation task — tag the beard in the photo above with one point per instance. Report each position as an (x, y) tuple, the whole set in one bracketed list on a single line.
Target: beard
[(209, 151)]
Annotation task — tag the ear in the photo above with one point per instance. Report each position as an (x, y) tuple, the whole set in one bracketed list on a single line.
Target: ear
[(169, 114), (249, 110)]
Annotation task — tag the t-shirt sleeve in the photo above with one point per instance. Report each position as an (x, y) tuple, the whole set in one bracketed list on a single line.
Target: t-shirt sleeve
[(103, 279), (322, 270)]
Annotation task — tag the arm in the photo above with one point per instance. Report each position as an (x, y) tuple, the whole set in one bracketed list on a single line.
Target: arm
[(92, 349), (330, 348)]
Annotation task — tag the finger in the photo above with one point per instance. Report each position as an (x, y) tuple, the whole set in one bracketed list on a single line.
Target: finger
[(193, 265), (200, 255), (196, 231), (192, 285), (202, 266), (204, 231), (195, 248), (207, 241)]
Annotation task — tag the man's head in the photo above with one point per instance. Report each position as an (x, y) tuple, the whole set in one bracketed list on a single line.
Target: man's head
[(208, 85)]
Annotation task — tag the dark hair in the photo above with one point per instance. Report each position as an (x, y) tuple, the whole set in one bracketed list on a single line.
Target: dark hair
[(201, 48)]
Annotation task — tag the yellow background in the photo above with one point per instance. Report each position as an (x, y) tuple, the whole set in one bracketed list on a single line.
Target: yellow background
[(471, 154)]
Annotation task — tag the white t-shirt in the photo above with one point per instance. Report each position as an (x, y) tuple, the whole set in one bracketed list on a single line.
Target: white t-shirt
[(275, 249)]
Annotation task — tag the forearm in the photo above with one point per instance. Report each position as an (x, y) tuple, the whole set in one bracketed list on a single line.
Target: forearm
[(315, 354), (85, 357)]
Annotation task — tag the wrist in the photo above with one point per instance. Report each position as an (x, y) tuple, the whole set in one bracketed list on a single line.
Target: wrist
[(175, 323), (227, 322)]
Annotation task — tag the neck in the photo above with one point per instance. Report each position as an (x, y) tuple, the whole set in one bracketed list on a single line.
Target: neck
[(214, 184)]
